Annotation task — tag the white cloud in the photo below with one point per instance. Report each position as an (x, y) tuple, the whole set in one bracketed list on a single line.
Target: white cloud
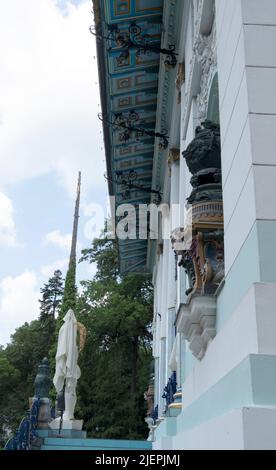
[(49, 94), (49, 269), (19, 303), (58, 239), (7, 225), (91, 270)]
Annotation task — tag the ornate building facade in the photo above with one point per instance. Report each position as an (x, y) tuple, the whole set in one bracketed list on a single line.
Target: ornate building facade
[(188, 90)]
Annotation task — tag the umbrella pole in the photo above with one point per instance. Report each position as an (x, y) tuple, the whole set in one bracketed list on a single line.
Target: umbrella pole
[(63, 406)]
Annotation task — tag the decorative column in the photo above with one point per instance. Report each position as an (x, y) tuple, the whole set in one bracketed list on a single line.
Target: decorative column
[(174, 165)]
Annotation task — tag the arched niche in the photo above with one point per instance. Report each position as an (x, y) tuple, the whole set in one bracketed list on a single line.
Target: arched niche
[(213, 102)]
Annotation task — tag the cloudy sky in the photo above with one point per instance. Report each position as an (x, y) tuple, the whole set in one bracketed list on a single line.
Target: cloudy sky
[(49, 130)]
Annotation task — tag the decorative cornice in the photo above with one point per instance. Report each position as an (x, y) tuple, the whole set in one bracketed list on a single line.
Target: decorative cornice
[(166, 82), (205, 51), (204, 54)]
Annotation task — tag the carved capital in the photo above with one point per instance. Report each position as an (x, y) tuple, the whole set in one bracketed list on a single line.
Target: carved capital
[(178, 241), (174, 156)]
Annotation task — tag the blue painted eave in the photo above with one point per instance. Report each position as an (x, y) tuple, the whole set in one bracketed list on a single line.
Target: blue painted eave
[(129, 85)]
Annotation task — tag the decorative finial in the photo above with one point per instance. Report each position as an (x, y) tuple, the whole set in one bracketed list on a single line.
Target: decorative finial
[(43, 380)]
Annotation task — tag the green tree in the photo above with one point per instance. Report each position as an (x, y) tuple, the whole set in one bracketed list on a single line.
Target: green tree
[(19, 361), (70, 291), (52, 293), (9, 377), (115, 364), (117, 311), (18, 367)]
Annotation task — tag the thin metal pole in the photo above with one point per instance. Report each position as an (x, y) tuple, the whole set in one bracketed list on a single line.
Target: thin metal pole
[(63, 407)]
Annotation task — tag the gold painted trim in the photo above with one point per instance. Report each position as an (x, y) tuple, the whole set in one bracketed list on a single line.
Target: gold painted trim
[(177, 406)]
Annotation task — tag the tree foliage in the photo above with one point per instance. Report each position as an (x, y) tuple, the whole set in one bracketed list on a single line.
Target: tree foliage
[(117, 312), (18, 367), (20, 359), (70, 291)]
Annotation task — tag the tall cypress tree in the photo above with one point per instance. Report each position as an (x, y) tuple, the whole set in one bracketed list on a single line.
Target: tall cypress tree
[(52, 293), (70, 289)]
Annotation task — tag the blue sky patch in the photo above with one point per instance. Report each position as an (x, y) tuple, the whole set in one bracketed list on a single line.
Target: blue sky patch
[(63, 4)]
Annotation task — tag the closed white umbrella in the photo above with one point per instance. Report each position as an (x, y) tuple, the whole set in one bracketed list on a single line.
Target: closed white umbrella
[(67, 370)]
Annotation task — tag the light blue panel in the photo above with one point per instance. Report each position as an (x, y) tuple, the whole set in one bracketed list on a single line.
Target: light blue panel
[(161, 430), (252, 382), (104, 443), (100, 444), (244, 272), (267, 237), (167, 428), (65, 433), (183, 372), (263, 380), (189, 363), (171, 426)]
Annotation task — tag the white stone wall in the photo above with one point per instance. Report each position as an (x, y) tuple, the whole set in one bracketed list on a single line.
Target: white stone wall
[(243, 429), (246, 63), (247, 85)]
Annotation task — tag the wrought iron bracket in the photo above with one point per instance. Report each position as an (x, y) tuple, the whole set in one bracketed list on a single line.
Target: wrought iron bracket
[(126, 181), (134, 38), (126, 123)]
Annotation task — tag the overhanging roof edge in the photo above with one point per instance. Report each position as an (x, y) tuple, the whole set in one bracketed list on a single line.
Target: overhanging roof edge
[(102, 72)]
